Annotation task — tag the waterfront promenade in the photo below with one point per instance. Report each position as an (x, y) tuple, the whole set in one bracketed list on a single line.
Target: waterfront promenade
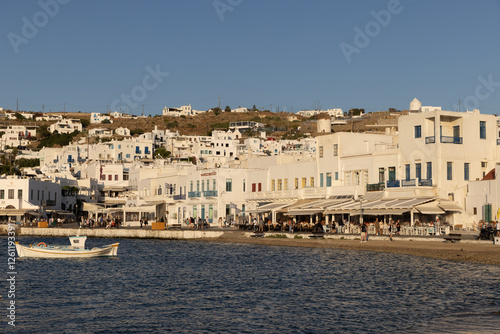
[(467, 250)]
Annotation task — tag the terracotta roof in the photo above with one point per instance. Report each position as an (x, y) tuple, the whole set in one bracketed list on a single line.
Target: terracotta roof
[(490, 175)]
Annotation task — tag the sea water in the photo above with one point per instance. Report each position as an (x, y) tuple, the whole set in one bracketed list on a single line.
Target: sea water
[(157, 286)]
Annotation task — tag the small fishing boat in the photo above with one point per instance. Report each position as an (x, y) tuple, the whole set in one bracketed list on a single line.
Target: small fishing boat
[(75, 250)]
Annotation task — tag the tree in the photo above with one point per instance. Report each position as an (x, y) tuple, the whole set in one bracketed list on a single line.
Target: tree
[(106, 121), (85, 122), (227, 109), (162, 152), (216, 111), (254, 108), (19, 116)]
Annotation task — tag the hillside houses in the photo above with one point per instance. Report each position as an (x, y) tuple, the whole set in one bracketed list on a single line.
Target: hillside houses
[(429, 169)]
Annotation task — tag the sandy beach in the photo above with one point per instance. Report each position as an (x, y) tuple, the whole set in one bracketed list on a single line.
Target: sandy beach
[(462, 252)]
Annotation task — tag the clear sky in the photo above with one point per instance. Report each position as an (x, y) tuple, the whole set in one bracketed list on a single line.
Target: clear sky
[(291, 54)]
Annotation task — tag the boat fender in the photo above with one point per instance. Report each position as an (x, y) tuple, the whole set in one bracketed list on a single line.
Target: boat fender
[(42, 244)]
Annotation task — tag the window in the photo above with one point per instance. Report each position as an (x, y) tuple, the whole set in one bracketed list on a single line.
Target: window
[(202, 185), (137, 149), (229, 185), (336, 176), (356, 178), (449, 170), (418, 170), (2, 194), (407, 171), (429, 170), (260, 186), (321, 180), (146, 150), (418, 131), (214, 185), (191, 186), (273, 185), (321, 151), (116, 177), (304, 182), (103, 177), (392, 173), (11, 193), (381, 175), (244, 185), (110, 177), (197, 185), (280, 184), (474, 211), (311, 182), (484, 164), (335, 150), (482, 130), (286, 184), (466, 171), (254, 187), (328, 179), (296, 183), (19, 194)]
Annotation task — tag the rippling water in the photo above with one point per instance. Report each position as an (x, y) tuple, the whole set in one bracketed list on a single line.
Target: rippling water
[(157, 286)]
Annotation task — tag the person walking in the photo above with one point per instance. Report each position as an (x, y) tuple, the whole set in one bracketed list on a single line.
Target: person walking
[(391, 227), (364, 232), (377, 227)]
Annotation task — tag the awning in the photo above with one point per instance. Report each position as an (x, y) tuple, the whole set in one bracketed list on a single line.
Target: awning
[(300, 204), (91, 207), (429, 209), (304, 212), (395, 212), (449, 206), (274, 206), (14, 212)]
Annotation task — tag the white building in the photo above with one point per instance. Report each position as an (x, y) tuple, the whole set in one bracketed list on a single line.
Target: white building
[(182, 111), (122, 131), (66, 126), (96, 118)]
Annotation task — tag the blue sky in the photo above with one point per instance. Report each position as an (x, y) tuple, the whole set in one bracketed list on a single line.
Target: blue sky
[(286, 53)]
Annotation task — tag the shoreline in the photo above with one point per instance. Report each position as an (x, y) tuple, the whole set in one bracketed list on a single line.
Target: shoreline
[(483, 252)]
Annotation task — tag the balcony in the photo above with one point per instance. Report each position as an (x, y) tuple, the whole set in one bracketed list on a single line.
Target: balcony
[(430, 140), (425, 183), (192, 194), (393, 184), (375, 186), (451, 140), (179, 197), (210, 193), (408, 183)]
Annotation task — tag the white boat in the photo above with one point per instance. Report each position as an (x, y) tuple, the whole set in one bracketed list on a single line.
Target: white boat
[(76, 250)]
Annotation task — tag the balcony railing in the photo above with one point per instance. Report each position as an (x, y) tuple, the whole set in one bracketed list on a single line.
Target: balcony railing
[(393, 184), (408, 183), (194, 194), (210, 193), (451, 140), (375, 186), (430, 140), (425, 183), (179, 197)]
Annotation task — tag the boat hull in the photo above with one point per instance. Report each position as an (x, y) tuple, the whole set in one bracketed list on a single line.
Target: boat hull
[(51, 252)]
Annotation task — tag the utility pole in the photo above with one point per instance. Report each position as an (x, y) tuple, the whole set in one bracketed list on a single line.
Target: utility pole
[(219, 102), (17, 104), (143, 110), (107, 108), (43, 108)]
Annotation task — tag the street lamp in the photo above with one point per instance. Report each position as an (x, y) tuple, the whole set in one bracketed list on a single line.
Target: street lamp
[(360, 210)]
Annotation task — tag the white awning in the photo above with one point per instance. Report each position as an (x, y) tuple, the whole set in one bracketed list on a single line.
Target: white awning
[(15, 212), (274, 206), (449, 206), (303, 212), (91, 207), (429, 209)]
